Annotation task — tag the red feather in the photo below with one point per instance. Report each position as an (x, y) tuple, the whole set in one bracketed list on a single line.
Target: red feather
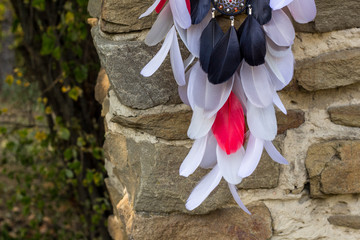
[(188, 6), (160, 6), (229, 125)]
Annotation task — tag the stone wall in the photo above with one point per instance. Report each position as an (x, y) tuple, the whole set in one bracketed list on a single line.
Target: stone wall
[(315, 197)]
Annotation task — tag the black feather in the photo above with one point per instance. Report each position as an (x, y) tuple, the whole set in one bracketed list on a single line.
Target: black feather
[(209, 38), (199, 9), (225, 58), (252, 41), (261, 10)]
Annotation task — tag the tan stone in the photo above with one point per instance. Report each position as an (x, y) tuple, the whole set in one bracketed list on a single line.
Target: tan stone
[(171, 126), (346, 115), (114, 194), (334, 167), (102, 86), (116, 229), (229, 223), (92, 21), (330, 70), (123, 16), (349, 221), (293, 119)]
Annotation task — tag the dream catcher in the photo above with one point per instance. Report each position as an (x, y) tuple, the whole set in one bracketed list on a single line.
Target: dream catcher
[(226, 77)]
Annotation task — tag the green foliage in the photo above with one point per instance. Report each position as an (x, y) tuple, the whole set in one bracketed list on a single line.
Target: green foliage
[(53, 156)]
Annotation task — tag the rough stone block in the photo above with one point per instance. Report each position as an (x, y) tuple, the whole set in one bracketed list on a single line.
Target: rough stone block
[(345, 115), (349, 221), (123, 61), (150, 174), (123, 16), (333, 15), (229, 223), (334, 167), (166, 125), (293, 119), (330, 70), (94, 8)]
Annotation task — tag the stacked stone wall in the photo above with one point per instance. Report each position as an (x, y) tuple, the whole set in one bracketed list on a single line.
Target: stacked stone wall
[(315, 197)]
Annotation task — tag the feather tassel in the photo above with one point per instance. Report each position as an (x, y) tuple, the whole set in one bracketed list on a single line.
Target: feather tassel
[(199, 9), (225, 58), (229, 125), (252, 42), (209, 38)]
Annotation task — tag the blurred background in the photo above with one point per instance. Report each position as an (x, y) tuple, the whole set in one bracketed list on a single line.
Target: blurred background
[(51, 130)]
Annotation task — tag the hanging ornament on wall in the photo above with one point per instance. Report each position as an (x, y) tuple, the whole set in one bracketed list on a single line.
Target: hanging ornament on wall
[(227, 77)]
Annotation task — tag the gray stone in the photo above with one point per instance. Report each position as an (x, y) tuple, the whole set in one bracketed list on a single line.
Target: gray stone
[(333, 15), (123, 16), (166, 125), (123, 61), (94, 8), (150, 174), (345, 115), (349, 221), (334, 167), (331, 70)]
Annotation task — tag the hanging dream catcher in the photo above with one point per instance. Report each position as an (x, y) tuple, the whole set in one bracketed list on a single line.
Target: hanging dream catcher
[(227, 77)]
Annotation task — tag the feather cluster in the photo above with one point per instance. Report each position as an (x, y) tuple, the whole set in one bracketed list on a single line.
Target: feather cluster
[(225, 78)]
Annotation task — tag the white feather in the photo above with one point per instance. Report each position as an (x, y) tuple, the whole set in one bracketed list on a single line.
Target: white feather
[(278, 4), (180, 13), (206, 95), (274, 153), (160, 28), (237, 198), (206, 185), (239, 91), (200, 125), (252, 156), (159, 58), (280, 29), (177, 63), (209, 159), (150, 9), (257, 84), (229, 164), (303, 11), (194, 35), (262, 121), (278, 103), (194, 157)]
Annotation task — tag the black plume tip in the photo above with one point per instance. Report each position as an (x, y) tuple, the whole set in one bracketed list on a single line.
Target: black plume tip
[(225, 58), (252, 41), (261, 10), (199, 10), (209, 38)]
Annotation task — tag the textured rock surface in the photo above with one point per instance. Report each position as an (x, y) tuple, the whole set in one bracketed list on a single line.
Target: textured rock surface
[(293, 119), (123, 16), (228, 223), (171, 126), (345, 115), (333, 15), (123, 61), (314, 197), (150, 174), (334, 167), (345, 221), (102, 86), (331, 70)]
